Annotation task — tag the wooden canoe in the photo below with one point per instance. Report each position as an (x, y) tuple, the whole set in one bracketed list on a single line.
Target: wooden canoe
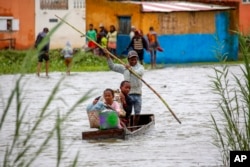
[(146, 121)]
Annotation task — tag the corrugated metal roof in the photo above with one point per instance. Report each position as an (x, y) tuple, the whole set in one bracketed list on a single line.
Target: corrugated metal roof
[(172, 6)]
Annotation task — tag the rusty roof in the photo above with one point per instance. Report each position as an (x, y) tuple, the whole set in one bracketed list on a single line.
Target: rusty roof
[(173, 6)]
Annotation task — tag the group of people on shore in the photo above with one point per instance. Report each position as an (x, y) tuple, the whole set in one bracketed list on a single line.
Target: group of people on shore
[(107, 40), (104, 38)]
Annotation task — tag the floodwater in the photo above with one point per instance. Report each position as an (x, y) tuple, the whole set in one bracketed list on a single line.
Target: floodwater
[(186, 89)]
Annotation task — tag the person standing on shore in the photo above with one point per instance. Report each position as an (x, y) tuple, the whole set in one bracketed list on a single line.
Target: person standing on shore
[(112, 40), (139, 43), (68, 55), (153, 45), (91, 36), (102, 32), (132, 32), (43, 52)]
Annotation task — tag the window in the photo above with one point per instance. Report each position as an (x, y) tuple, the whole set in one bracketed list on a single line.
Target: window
[(246, 1), (124, 24), (9, 24), (54, 4), (79, 4)]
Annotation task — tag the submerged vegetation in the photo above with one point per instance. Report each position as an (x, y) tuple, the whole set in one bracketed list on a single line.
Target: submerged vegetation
[(232, 127)]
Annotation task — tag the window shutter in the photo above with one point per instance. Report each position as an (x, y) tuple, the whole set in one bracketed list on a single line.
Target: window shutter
[(3, 25), (15, 24)]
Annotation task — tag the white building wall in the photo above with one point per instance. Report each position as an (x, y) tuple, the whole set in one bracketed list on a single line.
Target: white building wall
[(76, 17)]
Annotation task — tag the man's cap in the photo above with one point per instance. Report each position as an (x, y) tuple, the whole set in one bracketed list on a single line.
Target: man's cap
[(100, 25), (132, 53), (132, 27)]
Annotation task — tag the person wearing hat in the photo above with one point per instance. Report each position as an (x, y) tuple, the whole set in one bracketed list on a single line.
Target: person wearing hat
[(136, 84), (101, 32)]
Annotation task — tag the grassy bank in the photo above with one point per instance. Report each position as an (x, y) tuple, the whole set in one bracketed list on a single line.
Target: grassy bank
[(12, 61)]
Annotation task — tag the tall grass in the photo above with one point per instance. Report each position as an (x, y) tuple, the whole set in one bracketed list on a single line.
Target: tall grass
[(21, 144), (21, 148), (232, 126)]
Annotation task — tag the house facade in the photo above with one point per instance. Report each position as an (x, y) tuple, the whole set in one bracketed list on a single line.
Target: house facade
[(21, 22), (188, 31), (74, 11), (17, 24), (242, 8)]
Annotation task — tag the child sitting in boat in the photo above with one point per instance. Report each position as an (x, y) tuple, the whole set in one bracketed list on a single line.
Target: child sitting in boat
[(99, 106), (125, 101), (108, 96)]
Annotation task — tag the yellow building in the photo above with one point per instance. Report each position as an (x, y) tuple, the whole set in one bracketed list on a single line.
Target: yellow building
[(188, 31)]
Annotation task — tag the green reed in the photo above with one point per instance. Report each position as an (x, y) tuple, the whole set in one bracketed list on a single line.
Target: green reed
[(21, 143), (232, 126), (21, 150)]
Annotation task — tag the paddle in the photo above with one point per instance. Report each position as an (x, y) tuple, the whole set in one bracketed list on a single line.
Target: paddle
[(130, 69)]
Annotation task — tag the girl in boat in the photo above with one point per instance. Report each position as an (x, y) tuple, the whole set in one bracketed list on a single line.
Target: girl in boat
[(107, 103)]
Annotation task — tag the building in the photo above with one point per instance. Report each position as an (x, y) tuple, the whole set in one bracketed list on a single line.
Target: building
[(21, 22), (73, 10), (188, 31), (17, 24), (241, 6)]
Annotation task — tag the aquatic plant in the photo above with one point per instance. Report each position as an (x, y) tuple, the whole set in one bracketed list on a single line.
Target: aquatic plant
[(232, 125)]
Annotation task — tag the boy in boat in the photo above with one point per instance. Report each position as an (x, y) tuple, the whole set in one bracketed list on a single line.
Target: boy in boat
[(136, 84), (126, 101)]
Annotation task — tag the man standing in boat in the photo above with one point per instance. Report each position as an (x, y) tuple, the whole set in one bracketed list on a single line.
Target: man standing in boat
[(136, 84)]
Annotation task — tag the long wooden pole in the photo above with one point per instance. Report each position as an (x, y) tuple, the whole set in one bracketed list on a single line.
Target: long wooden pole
[(130, 69)]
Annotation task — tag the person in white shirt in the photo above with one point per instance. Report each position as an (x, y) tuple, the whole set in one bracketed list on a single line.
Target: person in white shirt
[(67, 52), (132, 32), (112, 39)]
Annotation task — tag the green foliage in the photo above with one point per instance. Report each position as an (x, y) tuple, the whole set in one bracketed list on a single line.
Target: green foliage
[(12, 61), (89, 62), (232, 128)]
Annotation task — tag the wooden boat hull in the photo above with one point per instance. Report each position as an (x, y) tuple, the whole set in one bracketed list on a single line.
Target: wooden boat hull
[(146, 121)]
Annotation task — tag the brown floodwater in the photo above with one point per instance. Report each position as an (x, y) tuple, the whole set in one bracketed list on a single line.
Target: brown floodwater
[(186, 89)]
